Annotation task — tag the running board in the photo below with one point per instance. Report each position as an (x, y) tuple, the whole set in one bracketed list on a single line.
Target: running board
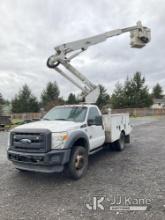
[(95, 150)]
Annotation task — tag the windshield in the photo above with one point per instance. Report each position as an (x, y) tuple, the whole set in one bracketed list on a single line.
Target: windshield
[(76, 114)]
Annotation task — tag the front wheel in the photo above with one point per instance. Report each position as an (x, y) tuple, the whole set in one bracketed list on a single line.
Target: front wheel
[(78, 164), (120, 144)]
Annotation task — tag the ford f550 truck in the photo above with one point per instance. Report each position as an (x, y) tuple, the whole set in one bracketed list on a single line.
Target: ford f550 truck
[(67, 135), (64, 139)]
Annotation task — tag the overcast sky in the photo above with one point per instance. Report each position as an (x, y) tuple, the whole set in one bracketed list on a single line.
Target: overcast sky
[(29, 30)]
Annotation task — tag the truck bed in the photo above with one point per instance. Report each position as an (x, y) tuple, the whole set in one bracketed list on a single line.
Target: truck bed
[(114, 124)]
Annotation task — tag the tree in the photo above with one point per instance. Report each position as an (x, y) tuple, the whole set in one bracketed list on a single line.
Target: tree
[(24, 101), (72, 99), (157, 91), (1, 103), (134, 94), (50, 96), (117, 98), (104, 98)]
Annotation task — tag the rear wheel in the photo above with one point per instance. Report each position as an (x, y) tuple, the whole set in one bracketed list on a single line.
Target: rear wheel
[(120, 144), (78, 164)]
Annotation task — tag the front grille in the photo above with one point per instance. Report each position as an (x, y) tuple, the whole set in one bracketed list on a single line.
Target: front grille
[(28, 141)]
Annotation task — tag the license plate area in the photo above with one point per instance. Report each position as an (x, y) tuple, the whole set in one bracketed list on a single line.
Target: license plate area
[(26, 159)]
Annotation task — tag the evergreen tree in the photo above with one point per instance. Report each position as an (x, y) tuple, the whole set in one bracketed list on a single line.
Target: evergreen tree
[(117, 98), (1, 103), (72, 99), (24, 101), (104, 98), (134, 94), (50, 96), (157, 92)]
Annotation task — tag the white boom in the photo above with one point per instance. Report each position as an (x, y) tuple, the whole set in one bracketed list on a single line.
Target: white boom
[(139, 35)]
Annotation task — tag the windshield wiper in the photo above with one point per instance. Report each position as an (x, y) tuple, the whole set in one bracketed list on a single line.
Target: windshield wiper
[(60, 119)]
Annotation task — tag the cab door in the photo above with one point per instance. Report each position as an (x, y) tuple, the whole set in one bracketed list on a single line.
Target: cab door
[(95, 129)]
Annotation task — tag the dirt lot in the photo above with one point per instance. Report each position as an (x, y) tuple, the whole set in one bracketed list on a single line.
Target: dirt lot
[(137, 172)]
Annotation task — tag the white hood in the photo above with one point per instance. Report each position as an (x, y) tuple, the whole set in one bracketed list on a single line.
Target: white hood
[(53, 126)]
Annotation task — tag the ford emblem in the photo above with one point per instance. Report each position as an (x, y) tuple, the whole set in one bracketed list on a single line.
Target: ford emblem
[(24, 140)]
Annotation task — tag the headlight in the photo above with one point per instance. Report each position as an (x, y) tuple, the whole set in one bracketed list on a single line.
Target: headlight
[(59, 139)]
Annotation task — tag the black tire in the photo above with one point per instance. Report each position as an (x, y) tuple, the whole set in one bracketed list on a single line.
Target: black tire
[(78, 164), (120, 144)]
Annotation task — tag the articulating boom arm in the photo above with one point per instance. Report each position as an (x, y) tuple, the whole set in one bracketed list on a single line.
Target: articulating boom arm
[(139, 37)]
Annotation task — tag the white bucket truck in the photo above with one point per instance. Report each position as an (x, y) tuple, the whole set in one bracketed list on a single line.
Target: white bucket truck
[(68, 134)]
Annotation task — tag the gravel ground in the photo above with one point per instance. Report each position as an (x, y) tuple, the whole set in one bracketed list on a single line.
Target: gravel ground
[(137, 172)]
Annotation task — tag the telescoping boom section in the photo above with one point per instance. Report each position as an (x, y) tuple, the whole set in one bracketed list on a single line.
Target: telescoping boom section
[(64, 53)]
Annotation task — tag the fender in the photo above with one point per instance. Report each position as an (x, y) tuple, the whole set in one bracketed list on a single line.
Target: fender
[(75, 136)]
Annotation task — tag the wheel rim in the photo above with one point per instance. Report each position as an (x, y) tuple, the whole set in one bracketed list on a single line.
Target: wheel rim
[(79, 161)]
